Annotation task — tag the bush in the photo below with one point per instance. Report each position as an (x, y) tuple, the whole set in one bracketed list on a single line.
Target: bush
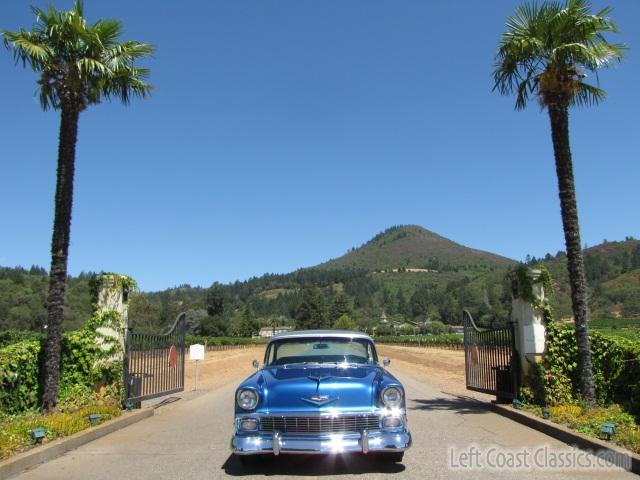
[(19, 376), (616, 369), (9, 337), (447, 340), (589, 422), (15, 430), (345, 322), (81, 369), (217, 341), (436, 327)]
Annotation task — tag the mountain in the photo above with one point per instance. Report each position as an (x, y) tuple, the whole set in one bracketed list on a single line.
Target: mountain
[(411, 246), (613, 277), (407, 272)]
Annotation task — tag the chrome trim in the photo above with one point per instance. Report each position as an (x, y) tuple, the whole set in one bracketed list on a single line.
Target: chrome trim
[(380, 441), (365, 441), (276, 443), (239, 421), (317, 425), (382, 412), (240, 390), (397, 387)]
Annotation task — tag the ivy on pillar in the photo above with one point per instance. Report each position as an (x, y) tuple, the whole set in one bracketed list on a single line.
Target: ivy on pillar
[(530, 313), (110, 296)]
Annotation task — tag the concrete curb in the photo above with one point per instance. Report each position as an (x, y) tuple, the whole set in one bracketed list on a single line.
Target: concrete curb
[(22, 461), (566, 435)]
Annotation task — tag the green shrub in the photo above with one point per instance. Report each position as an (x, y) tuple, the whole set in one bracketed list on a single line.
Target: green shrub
[(81, 369), (436, 327), (446, 340), (589, 422), (616, 369), (217, 341), (19, 376), (9, 337), (15, 430)]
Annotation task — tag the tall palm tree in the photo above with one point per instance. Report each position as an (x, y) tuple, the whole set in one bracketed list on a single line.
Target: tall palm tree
[(546, 51), (78, 65)]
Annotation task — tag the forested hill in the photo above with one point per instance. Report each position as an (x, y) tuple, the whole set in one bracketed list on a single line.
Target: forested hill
[(411, 246), (613, 276), (406, 273)]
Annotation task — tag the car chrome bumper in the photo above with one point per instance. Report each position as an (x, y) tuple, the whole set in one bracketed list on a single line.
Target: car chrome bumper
[(277, 443)]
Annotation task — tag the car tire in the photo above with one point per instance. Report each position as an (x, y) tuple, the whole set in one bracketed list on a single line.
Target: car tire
[(392, 457)]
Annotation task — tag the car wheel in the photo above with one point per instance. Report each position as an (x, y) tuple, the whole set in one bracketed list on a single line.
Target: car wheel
[(392, 457)]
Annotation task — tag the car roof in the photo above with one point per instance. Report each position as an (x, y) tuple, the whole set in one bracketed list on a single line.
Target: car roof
[(320, 333)]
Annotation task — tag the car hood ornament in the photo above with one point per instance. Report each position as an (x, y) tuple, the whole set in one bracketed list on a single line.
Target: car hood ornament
[(317, 399)]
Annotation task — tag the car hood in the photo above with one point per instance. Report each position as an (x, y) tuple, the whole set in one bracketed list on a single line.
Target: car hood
[(320, 388)]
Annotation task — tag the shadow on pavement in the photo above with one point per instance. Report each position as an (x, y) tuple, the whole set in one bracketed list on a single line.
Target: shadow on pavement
[(312, 465), (457, 403)]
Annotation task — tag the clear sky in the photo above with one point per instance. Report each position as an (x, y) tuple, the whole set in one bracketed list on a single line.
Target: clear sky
[(282, 133)]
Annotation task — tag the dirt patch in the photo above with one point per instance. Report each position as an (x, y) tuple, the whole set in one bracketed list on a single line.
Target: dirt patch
[(220, 368), (438, 366)]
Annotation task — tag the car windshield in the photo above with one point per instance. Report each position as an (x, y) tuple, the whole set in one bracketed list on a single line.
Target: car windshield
[(321, 350)]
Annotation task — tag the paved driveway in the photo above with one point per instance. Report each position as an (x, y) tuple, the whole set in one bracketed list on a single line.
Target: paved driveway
[(189, 440)]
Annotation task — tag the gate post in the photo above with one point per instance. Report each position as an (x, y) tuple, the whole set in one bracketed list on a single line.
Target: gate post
[(112, 295), (528, 320)]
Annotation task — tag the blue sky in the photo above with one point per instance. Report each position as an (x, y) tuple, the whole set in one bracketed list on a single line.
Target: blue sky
[(282, 133)]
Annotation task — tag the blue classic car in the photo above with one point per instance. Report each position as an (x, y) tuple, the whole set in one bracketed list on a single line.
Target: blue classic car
[(320, 391)]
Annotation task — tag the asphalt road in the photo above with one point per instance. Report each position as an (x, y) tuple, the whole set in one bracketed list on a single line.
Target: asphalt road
[(189, 439)]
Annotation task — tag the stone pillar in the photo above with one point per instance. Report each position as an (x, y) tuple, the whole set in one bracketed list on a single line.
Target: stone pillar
[(113, 295), (529, 324)]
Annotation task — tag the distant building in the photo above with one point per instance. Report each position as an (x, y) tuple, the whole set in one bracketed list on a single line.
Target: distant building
[(266, 332), (459, 329), (383, 317)]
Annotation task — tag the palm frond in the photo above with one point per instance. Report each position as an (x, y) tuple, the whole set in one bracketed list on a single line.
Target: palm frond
[(126, 84), (588, 95), (27, 47), (558, 41), (89, 59), (107, 31), (90, 66)]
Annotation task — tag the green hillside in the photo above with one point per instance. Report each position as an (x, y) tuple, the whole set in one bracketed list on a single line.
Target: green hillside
[(613, 275), (23, 295), (406, 272), (411, 246)]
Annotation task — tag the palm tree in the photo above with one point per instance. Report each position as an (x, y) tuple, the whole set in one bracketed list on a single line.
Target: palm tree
[(78, 65), (547, 50)]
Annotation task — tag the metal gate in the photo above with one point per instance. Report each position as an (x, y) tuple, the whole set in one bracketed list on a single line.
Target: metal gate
[(491, 360), (154, 363)]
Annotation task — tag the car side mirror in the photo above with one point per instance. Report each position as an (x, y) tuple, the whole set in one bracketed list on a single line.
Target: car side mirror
[(256, 364), (386, 362)]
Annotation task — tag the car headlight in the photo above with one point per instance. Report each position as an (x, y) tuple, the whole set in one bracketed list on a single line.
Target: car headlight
[(247, 399), (391, 397)]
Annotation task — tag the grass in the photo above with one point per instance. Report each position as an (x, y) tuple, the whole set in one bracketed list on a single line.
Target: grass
[(627, 333), (15, 430), (589, 422), (275, 292), (628, 328)]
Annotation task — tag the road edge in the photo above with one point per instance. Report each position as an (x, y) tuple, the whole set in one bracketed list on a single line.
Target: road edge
[(568, 436), (19, 463)]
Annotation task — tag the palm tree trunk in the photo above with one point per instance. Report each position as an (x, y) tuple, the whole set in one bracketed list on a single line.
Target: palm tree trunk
[(559, 116), (59, 252)]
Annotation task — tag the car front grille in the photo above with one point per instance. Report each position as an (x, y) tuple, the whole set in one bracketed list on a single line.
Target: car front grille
[(318, 424)]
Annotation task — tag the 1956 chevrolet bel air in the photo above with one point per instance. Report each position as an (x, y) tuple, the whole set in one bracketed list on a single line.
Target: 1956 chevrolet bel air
[(320, 391)]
